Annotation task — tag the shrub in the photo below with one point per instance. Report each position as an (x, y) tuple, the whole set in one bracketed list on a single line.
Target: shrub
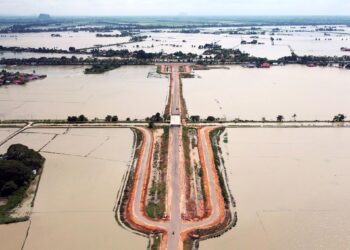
[(28, 157), (15, 171), (211, 119), (8, 188)]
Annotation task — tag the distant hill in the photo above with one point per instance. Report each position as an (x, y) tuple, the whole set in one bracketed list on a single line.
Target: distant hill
[(44, 16)]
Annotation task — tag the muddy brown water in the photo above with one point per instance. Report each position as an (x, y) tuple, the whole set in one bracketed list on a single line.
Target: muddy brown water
[(67, 39), (126, 92), (74, 206), (13, 235), (310, 93), (291, 188), (5, 132)]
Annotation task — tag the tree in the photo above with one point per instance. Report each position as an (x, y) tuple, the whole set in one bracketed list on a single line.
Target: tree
[(8, 188), (114, 118), (72, 119), (211, 119), (108, 118), (156, 118), (71, 49), (82, 119), (339, 118), (195, 118), (151, 124), (28, 157), (294, 117), (15, 171), (280, 118)]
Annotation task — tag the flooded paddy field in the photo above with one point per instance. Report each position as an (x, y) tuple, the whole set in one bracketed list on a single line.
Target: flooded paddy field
[(126, 92), (12, 236), (67, 39), (5, 132), (251, 94), (303, 40), (74, 206), (28, 55), (290, 186)]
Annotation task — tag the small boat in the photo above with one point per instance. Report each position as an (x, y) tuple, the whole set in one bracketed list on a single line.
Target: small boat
[(345, 49)]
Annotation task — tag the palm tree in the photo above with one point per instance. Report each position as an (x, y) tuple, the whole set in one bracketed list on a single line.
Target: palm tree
[(294, 117)]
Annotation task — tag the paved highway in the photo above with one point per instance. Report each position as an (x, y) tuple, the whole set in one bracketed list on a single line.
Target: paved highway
[(175, 226)]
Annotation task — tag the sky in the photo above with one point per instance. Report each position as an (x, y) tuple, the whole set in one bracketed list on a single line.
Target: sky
[(174, 7)]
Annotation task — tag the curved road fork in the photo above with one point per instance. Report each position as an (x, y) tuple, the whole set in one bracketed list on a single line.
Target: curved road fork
[(216, 200), (136, 212)]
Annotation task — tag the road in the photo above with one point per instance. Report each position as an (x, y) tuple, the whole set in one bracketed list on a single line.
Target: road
[(175, 166), (175, 105), (174, 189), (137, 204), (216, 202), (175, 228)]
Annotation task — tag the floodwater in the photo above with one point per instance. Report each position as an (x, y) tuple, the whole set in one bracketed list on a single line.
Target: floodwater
[(68, 39), (291, 188), (250, 94), (33, 141), (74, 206), (12, 236), (126, 92), (27, 55), (5, 132), (302, 40)]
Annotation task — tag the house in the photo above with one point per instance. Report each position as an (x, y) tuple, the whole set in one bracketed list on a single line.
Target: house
[(175, 121), (265, 65)]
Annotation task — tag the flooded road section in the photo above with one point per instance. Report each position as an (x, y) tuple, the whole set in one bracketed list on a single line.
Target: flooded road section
[(251, 94), (291, 188), (126, 92), (78, 190)]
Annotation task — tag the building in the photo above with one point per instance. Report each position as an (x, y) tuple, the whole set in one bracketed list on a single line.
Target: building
[(265, 65), (175, 121)]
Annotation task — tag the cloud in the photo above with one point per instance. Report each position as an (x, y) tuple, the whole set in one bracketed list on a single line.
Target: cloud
[(173, 7)]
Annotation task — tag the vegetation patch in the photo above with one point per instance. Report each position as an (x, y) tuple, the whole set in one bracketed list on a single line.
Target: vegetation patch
[(215, 138), (155, 244), (230, 219), (155, 207), (101, 68), (195, 195), (18, 167)]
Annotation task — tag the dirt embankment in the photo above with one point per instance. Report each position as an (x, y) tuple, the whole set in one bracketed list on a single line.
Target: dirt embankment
[(195, 197), (157, 186), (226, 217), (129, 193)]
